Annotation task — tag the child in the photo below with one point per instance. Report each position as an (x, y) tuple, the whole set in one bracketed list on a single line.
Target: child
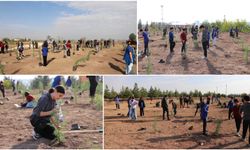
[(204, 117), (133, 105), (68, 46), (214, 35), (117, 102), (183, 41), (174, 107), (164, 106), (245, 109), (204, 40), (29, 101), (237, 116), (2, 89), (230, 107), (236, 32), (145, 35), (171, 40), (141, 105), (41, 117), (45, 53), (181, 102), (129, 57)]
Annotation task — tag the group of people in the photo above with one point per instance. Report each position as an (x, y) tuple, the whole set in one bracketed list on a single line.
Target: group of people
[(234, 32), (240, 111), (207, 34)]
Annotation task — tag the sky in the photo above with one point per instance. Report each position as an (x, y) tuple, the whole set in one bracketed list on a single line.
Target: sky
[(192, 11), (235, 84), (67, 19)]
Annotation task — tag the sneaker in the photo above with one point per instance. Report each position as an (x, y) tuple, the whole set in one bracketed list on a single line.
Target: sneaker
[(35, 135), (238, 134), (205, 58)]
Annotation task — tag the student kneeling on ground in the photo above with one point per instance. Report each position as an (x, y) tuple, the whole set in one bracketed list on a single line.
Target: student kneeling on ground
[(41, 117), (29, 101)]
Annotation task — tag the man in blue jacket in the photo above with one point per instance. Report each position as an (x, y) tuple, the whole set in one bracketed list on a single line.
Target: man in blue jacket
[(171, 40), (204, 117)]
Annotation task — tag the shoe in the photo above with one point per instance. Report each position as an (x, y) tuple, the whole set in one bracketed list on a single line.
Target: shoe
[(205, 58), (35, 135), (54, 142), (205, 134), (238, 134)]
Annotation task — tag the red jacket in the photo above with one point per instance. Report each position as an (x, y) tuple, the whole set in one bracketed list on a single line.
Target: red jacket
[(183, 36), (29, 98), (68, 45), (236, 112)]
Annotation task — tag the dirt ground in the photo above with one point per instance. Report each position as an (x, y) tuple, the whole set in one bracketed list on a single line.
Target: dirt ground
[(122, 133), (16, 130), (107, 61), (225, 58)]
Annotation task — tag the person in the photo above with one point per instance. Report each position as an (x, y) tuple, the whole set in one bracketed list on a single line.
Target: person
[(174, 107), (128, 101), (245, 110), (2, 89), (164, 106), (171, 40), (145, 35), (93, 80), (204, 40), (1, 47), (133, 104), (6, 46), (56, 81), (230, 107), (164, 33), (236, 32), (181, 102), (231, 32), (68, 46), (237, 116), (45, 53), (117, 102), (214, 35), (204, 117), (69, 88), (13, 86), (20, 50), (129, 57), (183, 37), (29, 103), (185, 101), (199, 105), (141, 105), (41, 118), (208, 37)]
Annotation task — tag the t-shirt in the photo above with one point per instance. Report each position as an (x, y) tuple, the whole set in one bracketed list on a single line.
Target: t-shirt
[(56, 81), (45, 51), (45, 103), (236, 112), (246, 110), (171, 37), (126, 56)]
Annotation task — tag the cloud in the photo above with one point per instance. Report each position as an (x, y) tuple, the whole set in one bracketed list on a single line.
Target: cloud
[(98, 20)]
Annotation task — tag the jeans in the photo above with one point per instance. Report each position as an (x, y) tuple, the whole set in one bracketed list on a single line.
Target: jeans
[(129, 68), (204, 45), (141, 111), (246, 125), (238, 123)]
